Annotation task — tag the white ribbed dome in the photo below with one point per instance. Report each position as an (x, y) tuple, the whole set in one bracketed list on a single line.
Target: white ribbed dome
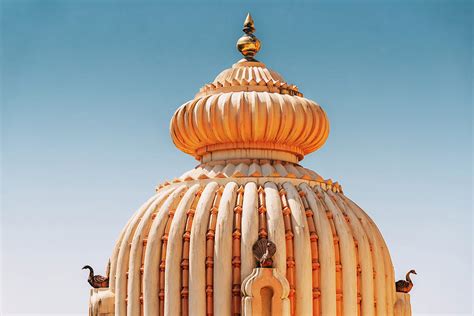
[(191, 243)]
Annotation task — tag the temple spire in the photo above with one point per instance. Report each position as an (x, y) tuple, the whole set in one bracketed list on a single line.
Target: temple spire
[(248, 45), (249, 26)]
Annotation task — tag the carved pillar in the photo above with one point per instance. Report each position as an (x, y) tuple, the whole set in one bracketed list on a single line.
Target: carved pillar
[(402, 305), (265, 292), (101, 302)]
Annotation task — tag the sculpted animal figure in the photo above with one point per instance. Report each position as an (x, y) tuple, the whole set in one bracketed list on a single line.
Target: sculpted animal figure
[(264, 250), (96, 281), (406, 285)]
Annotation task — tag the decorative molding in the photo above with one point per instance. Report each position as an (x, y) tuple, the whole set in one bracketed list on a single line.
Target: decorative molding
[(253, 304)]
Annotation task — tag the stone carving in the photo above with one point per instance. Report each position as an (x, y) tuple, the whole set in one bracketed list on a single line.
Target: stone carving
[(263, 250), (96, 281), (406, 285)]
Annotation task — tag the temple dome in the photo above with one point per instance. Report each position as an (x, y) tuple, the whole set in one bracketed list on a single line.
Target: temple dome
[(188, 250), (249, 107), (279, 125), (249, 111)]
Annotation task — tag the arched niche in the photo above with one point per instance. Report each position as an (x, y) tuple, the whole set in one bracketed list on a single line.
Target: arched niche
[(265, 293)]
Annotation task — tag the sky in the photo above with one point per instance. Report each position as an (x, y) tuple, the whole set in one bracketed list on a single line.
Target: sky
[(88, 89)]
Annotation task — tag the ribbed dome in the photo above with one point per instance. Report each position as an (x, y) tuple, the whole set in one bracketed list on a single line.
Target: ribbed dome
[(250, 107), (249, 76), (189, 249)]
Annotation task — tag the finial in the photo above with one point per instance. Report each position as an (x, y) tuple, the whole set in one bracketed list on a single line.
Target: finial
[(248, 45), (249, 27)]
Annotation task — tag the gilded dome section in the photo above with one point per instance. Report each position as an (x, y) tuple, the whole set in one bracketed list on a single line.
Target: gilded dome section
[(249, 111), (249, 76), (248, 71), (249, 120)]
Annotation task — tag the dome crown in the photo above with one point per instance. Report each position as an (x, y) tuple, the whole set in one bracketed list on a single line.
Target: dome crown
[(249, 111), (249, 76)]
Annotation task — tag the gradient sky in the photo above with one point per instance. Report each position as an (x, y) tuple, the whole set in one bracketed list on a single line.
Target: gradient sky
[(88, 88)]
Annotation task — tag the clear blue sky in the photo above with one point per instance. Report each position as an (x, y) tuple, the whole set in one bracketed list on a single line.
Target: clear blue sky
[(88, 88)]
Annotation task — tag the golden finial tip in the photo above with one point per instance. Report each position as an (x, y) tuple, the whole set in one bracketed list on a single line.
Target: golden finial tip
[(248, 24), (248, 45)]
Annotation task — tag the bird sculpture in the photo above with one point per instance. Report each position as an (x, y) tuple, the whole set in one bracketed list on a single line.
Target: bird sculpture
[(96, 281), (405, 286), (263, 250)]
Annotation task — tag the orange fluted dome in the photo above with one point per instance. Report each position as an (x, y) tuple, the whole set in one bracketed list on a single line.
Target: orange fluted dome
[(249, 107), (249, 111)]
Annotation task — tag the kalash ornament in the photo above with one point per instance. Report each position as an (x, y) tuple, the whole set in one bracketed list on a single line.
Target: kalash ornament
[(248, 45), (249, 231)]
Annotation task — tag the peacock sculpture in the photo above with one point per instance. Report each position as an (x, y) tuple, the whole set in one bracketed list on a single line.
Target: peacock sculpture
[(406, 285), (96, 281), (264, 250)]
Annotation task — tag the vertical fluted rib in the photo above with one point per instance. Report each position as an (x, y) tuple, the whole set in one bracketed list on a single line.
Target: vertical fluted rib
[(337, 251), (185, 255), (262, 213), (389, 278), (153, 254), (113, 258), (197, 255), (326, 252), (276, 226), (249, 228), (223, 252), (173, 261), (313, 237), (378, 260), (302, 247), (127, 233), (210, 240), (389, 271), (123, 256), (236, 254), (290, 254), (365, 258), (164, 251), (135, 261), (348, 257)]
